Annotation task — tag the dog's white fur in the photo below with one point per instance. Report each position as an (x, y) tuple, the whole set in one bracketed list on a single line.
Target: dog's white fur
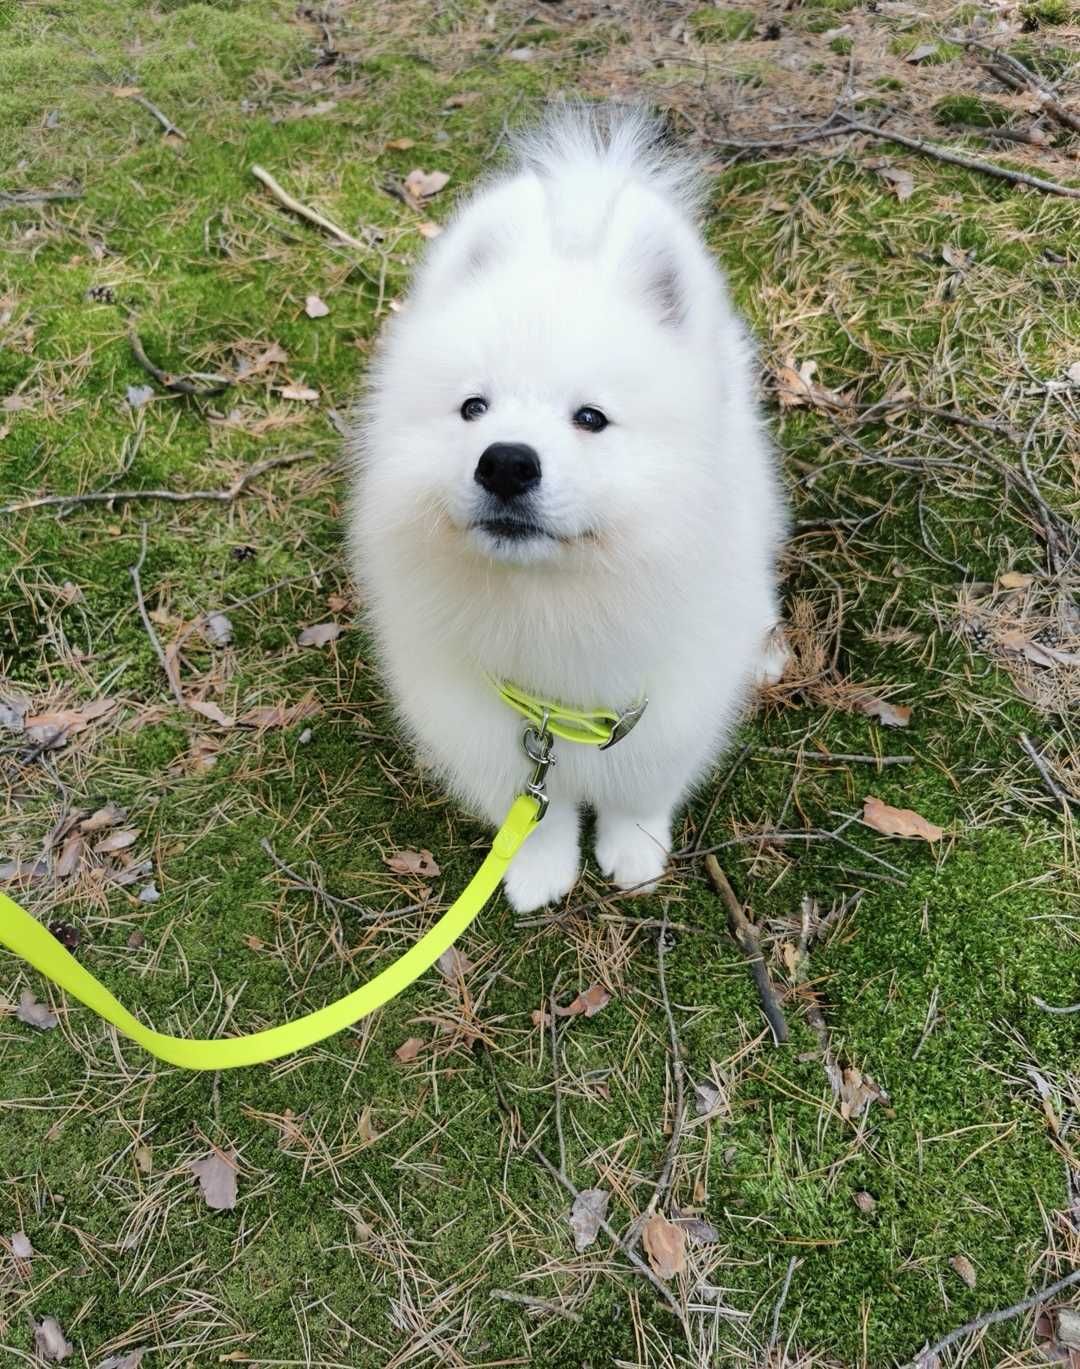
[(578, 278)]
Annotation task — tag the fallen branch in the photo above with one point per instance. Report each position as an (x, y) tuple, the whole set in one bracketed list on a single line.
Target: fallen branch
[(942, 154), (827, 757), (541, 1304), (774, 1336), (1051, 1008), (333, 900), (110, 497), (180, 385), (1052, 787), (163, 119), (1011, 72), (167, 667), (10, 197), (305, 211), (663, 1183), (746, 936), (926, 1356)]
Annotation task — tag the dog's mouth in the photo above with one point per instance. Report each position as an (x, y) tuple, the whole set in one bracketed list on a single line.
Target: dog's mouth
[(513, 529)]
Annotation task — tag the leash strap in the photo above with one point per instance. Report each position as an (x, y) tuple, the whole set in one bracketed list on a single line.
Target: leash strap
[(33, 943)]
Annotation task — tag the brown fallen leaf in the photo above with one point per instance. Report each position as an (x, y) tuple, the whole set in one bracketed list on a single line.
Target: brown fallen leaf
[(588, 1211), (216, 1174), (421, 185), (314, 307), (699, 1230), (274, 355), (454, 964), (797, 388), (540, 1017), (856, 1091), (400, 144), (117, 841), (901, 181), (70, 858), (413, 863), (665, 1245), (587, 1004), (409, 1050), (366, 1129), (107, 816), (280, 715), (304, 392), (207, 709), (965, 1269), (1038, 653), (864, 1201), (33, 1013), (319, 634), (50, 1342), (54, 728), (898, 822), (1015, 579), (429, 229), (890, 715), (707, 1097)]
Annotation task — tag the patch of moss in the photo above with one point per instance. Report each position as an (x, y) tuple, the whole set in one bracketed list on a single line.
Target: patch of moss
[(722, 25)]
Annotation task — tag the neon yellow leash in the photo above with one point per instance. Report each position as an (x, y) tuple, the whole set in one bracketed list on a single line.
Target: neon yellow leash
[(33, 943)]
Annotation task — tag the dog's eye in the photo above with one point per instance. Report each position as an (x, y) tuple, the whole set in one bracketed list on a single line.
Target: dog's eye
[(473, 408), (592, 420)]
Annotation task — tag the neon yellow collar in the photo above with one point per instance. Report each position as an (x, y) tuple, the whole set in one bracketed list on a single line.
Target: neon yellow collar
[(601, 727)]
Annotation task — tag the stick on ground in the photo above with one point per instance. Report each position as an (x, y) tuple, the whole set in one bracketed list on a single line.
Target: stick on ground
[(179, 385), (746, 936), (226, 496), (305, 211), (169, 669)]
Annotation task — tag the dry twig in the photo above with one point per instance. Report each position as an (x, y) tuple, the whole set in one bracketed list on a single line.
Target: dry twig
[(305, 211), (167, 666), (179, 385), (746, 936)]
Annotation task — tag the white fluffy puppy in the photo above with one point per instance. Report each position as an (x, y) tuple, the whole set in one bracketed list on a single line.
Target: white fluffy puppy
[(563, 483)]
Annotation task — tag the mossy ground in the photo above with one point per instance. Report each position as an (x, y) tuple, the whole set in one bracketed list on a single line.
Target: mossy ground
[(380, 1203)]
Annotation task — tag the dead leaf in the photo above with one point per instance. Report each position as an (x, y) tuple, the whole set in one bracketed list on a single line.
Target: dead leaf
[(50, 1342), (124, 92), (368, 1134), (279, 715), (400, 144), (33, 1013), (955, 257), (1015, 579), (274, 355), (206, 709), (144, 1159), (132, 1360), (921, 52), (1067, 1327), (413, 863), (20, 1245), (864, 1201), (304, 392), (965, 1269), (588, 1211), (13, 709), (901, 181), (587, 1004), (429, 229), (898, 822), (706, 1097), (320, 634), (891, 715), (117, 841), (856, 1092), (421, 185), (108, 816), (796, 387), (540, 1017), (70, 857), (454, 964), (314, 307), (1073, 373), (696, 1228), (216, 1174), (410, 1049), (217, 629), (665, 1244), (464, 97), (1038, 653), (54, 728)]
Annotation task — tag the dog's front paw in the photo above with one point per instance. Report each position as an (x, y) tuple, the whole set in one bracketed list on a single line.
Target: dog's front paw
[(547, 866), (633, 851)]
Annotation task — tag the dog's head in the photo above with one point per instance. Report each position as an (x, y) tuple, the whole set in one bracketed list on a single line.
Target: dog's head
[(547, 390)]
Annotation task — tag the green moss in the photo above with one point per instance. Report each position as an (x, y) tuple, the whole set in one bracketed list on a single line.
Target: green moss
[(1047, 12), (841, 44), (960, 110), (722, 25)]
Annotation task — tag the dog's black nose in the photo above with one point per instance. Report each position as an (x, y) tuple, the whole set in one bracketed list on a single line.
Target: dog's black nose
[(508, 469)]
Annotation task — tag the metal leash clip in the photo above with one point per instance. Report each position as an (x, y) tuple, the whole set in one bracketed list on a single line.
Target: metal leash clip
[(539, 746)]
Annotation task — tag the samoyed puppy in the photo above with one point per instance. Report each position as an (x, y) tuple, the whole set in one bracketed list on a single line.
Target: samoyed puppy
[(562, 482)]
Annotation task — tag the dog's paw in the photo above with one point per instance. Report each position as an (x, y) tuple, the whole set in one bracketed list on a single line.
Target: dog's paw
[(633, 851), (774, 659), (547, 866)]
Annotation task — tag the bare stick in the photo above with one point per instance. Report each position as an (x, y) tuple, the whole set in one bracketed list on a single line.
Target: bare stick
[(746, 936), (166, 665), (663, 1183), (225, 496), (827, 757), (1054, 789), (992, 1318), (793, 1264), (943, 154), (541, 1304), (163, 119), (333, 900), (180, 385), (9, 197), (1011, 72), (1049, 1007), (305, 211), (553, 1017)]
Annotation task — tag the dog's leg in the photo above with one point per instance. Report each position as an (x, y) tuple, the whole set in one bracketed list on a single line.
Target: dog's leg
[(546, 868), (632, 846)]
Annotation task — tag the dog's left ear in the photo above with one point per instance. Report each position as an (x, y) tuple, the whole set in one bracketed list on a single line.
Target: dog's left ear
[(650, 257), (664, 287)]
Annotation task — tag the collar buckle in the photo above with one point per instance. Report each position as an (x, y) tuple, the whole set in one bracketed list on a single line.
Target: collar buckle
[(626, 722)]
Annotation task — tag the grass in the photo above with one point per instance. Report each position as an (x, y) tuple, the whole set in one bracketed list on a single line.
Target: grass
[(381, 1203)]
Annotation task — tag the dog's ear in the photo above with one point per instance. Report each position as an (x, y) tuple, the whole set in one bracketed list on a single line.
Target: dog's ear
[(664, 288)]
